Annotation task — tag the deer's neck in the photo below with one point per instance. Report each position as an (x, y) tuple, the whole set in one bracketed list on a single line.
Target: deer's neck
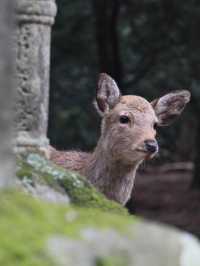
[(111, 177)]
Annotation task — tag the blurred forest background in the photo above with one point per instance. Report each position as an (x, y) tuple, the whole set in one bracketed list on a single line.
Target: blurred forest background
[(149, 46)]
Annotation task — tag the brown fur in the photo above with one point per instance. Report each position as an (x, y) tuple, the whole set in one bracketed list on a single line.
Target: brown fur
[(112, 166)]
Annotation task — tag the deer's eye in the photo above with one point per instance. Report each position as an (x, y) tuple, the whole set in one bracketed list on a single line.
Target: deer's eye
[(124, 119)]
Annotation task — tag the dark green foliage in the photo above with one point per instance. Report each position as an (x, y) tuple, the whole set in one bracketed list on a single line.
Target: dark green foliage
[(74, 68)]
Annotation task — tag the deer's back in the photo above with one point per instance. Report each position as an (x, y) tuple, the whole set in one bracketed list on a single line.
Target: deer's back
[(71, 160)]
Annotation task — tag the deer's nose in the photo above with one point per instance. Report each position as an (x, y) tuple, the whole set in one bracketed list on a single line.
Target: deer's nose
[(151, 145)]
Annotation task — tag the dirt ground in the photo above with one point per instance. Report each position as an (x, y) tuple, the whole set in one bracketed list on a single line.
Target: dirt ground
[(167, 197)]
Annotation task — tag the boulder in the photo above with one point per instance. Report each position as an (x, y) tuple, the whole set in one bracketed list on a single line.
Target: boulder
[(55, 217)]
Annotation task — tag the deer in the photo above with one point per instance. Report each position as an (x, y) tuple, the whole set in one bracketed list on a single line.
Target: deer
[(128, 137)]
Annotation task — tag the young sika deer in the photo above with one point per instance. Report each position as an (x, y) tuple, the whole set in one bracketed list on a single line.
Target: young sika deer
[(128, 132)]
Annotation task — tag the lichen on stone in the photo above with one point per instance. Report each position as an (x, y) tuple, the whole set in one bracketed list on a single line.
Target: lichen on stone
[(35, 168)]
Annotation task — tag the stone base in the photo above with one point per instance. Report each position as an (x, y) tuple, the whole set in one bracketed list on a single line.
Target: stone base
[(24, 142)]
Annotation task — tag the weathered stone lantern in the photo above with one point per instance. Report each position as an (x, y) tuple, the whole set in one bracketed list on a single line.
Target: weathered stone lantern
[(34, 21)]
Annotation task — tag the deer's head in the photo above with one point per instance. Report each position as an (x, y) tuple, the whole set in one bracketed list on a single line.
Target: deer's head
[(129, 122)]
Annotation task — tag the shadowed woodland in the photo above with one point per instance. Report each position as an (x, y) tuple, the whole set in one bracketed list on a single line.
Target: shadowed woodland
[(150, 48)]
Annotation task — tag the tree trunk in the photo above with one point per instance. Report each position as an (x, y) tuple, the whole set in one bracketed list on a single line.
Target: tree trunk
[(195, 63), (196, 176), (106, 29)]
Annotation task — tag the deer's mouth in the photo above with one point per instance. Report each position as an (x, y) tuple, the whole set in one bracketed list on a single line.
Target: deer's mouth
[(147, 154), (142, 150)]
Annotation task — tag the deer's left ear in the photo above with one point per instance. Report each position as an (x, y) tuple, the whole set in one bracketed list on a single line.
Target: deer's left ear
[(108, 94), (170, 106)]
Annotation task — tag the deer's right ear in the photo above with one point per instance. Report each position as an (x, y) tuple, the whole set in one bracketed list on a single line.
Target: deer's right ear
[(170, 106), (107, 95)]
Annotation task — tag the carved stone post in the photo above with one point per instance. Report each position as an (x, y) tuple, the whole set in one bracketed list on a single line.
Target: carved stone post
[(6, 91), (34, 21)]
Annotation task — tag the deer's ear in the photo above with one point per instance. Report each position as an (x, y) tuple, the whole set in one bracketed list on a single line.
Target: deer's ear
[(170, 106), (107, 95)]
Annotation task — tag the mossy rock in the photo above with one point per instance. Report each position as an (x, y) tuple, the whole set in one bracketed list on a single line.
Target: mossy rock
[(36, 233), (27, 224), (34, 168), (89, 230)]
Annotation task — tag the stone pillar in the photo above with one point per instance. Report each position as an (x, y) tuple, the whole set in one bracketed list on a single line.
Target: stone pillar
[(34, 21), (6, 90)]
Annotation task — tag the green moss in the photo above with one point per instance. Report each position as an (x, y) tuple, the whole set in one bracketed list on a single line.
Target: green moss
[(31, 222), (24, 170), (37, 169), (112, 261), (85, 195), (27, 223)]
